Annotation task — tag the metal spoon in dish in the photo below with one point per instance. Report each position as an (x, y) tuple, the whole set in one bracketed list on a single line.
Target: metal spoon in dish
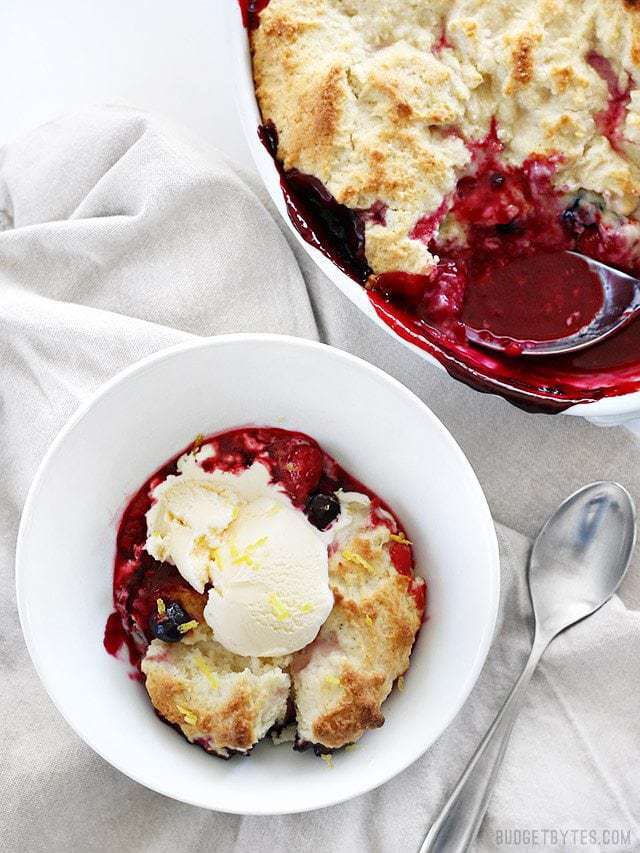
[(576, 564), (620, 304)]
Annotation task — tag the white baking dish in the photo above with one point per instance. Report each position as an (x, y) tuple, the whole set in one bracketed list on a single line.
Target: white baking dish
[(606, 412)]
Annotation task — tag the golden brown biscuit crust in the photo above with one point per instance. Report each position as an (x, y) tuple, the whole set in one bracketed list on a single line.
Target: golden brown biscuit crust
[(231, 727), (363, 647), (223, 701), (378, 99), (357, 710)]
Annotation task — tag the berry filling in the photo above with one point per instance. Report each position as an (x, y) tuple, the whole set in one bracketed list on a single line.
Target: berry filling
[(250, 10), (443, 42), (334, 229), (402, 558), (509, 276), (609, 122)]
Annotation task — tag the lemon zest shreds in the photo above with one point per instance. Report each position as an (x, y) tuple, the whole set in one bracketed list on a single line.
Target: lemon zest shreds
[(187, 626), (350, 747), (401, 683), (368, 619), (160, 606), (210, 676), (189, 717), (217, 558), (352, 557), (277, 607), (239, 557), (197, 441), (257, 544), (307, 607), (328, 760), (331, 679), (400, 537), (235, 512)]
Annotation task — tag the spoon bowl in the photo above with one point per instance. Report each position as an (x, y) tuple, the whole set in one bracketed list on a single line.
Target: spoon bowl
[(580, 556), (620, 305)]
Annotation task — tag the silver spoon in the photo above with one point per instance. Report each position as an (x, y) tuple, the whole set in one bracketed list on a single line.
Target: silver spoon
[(621, 301), (577, 562)]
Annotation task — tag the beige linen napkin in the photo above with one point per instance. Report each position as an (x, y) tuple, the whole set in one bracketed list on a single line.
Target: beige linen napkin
[(122, 236)]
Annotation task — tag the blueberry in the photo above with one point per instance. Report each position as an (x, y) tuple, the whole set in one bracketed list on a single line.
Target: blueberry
[(571, 216), (322, 509), (581, 214), (164, 626)]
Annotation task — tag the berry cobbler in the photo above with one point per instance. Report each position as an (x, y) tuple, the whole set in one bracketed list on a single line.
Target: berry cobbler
[(260, 589), (446, 154)]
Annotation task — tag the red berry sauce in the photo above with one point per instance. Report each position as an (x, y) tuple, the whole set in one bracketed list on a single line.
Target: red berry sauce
[(294, 460), (511, 276), (443, 40), (250, 10), (547, 299), (609, 122), (334, 229)]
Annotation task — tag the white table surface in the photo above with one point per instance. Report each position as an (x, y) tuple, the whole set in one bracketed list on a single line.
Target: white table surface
[(167, 57)]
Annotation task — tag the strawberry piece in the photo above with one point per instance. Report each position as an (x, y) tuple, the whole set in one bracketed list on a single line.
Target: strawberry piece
[(401, 558), (298, 466)]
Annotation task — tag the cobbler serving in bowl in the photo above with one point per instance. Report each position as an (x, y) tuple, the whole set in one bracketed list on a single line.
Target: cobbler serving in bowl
[(260, 589), (357, 594), (445, 155)]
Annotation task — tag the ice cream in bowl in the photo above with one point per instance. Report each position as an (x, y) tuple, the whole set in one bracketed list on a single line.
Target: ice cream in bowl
[(245, 565), (240, 534)]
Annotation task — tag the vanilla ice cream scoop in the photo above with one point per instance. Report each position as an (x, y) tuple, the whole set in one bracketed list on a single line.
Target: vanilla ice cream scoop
[(193, 508), (271, 582), (184, 523), (268, 564)]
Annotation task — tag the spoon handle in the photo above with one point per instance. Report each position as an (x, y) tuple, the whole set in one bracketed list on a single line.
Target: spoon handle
[(459, 821)]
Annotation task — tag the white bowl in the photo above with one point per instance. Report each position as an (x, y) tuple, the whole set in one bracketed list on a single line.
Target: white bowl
[(608, 411), (377, 429)]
